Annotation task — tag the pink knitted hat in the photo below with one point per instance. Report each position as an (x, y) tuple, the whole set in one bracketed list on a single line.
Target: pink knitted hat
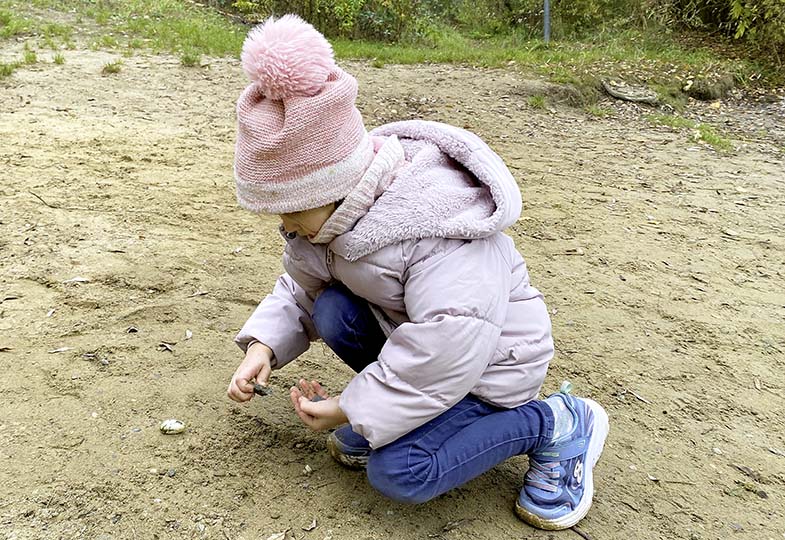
[(301, 142)]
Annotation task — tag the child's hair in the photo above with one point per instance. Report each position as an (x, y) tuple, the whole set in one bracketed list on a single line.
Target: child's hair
[(301, 142)]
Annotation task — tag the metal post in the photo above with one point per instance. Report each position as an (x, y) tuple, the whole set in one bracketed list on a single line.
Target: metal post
[(547, 20)]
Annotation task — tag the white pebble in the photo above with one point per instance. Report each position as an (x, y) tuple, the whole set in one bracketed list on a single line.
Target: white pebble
[(172, 427)]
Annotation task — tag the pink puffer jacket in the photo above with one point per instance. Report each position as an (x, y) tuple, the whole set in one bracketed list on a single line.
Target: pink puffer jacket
[(449, 286)]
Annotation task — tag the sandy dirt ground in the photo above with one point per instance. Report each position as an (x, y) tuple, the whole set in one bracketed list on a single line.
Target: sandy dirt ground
[(660, 258)]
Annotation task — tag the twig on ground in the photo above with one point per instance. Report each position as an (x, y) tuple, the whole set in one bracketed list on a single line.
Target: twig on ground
[(43, 201), (57, 207), (581, 533)]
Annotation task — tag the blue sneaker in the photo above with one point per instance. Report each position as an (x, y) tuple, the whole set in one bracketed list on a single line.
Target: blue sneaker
[(559, 486), (348, 448)]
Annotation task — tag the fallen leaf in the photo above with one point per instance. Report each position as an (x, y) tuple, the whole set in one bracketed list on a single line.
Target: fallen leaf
[(6, 349), (61, 349), (9, 297), (310, 527), (131, 330), (77, 279), (277, 536), (50, 313), (730, 232), (777, 452), (164, 346)]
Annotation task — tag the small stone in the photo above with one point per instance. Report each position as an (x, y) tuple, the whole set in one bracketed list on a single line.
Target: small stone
[(307, 470), (136, 430), (170, 473), (105, 361), (717, 451), (152, 471), (172, 426)]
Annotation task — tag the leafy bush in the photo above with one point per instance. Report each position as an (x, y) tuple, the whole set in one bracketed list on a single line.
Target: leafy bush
[(760, 23), (388, 20)]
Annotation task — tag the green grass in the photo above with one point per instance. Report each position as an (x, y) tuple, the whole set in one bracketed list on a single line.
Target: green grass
[(606, 54), (164, 25), (12, 24), (62, 31), (672, 121), (597, 111), (105, 42), (186, 28), (702, 132), (537, 102), (59, 59), (112, 67), (190, 59), (710, 136), (7, 69)]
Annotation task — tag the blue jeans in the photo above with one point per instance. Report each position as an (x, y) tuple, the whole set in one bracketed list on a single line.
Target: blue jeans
[(460, 444)]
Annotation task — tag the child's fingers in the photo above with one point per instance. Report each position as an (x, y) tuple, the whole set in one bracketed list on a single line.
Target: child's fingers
[(319, 390), (304, 387), (294, 395), (312, 408), (236, 393)]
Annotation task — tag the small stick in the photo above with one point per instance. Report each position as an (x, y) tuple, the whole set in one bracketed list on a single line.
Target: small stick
[(580, 533), (43, 201), (683, 482)]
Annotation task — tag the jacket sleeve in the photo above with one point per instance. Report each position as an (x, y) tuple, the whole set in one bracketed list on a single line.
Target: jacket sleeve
[(456, 302), (282, 321)]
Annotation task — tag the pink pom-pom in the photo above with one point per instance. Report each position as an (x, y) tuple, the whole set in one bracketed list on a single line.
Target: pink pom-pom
[(288, 57)]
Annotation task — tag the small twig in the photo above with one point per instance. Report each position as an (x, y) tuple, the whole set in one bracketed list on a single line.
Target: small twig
[(638, 397), (683, 482), (580, 533), (59, 207), (43, 201)]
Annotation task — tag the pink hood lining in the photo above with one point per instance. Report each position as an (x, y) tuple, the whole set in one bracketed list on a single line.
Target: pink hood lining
[(431, 196)]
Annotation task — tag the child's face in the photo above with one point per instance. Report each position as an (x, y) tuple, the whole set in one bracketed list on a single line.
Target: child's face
[(308, 222)]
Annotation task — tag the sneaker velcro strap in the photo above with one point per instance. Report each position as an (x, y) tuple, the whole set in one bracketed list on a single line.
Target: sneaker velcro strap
[(565, 451)]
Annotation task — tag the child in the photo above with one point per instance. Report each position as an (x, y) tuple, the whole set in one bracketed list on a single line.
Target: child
[(396, 259)]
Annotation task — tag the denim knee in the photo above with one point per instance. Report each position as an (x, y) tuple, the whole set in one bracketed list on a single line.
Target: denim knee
[(329, 314), (397, 483)]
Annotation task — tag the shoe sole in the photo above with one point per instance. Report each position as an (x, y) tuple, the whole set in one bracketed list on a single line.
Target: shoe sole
[(596, 444), (356, 463)]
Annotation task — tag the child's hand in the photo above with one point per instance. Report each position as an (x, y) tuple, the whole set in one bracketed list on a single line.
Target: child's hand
[(318, 415), (255, 366)]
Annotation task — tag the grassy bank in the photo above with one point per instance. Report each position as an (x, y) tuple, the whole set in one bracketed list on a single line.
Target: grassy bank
[(190, 30)]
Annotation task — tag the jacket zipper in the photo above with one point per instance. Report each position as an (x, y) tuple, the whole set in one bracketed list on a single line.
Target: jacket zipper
[(330, 261)]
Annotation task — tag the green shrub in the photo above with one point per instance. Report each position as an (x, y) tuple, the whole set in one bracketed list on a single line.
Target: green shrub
[(112, 67), (7, 69), (190, 58)]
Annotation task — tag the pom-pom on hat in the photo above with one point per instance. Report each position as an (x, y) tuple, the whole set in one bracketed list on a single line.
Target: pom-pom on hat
[(301, 142)]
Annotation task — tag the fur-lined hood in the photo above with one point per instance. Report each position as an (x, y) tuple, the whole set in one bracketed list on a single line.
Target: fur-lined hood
[(451, 186)]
